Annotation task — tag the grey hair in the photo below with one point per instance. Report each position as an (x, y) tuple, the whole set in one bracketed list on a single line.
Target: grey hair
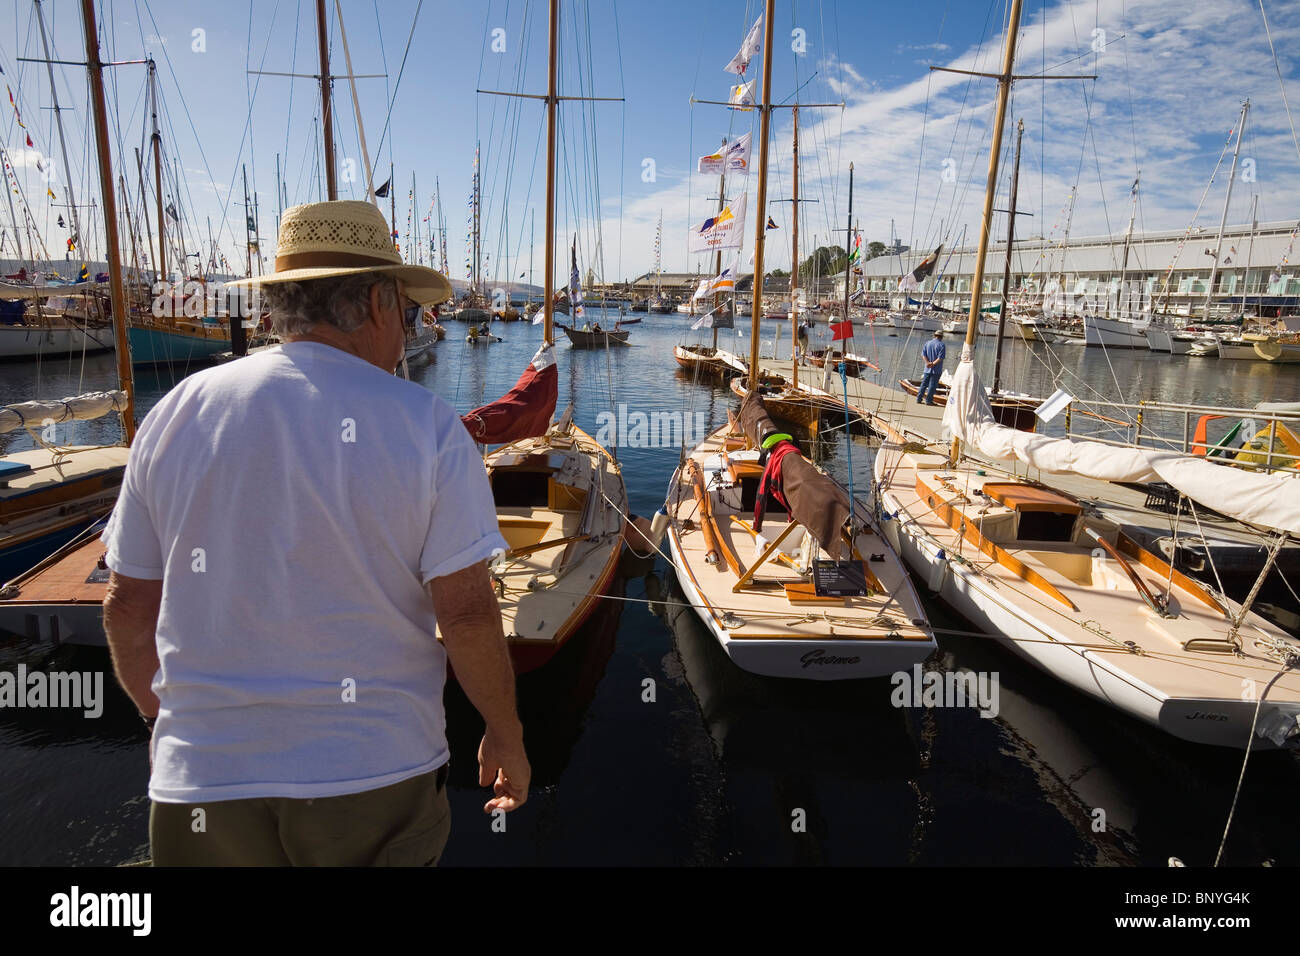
[(339, 301)]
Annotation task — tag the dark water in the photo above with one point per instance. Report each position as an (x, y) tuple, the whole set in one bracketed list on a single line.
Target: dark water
[(717, 767)]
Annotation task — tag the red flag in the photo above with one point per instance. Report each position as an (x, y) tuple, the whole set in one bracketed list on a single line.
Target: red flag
[(30, 144), (842, 330), (522, 412)]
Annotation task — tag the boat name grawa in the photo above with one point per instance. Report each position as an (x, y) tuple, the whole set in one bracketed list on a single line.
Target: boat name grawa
[(653, 430), (946, 689), (57, 689)]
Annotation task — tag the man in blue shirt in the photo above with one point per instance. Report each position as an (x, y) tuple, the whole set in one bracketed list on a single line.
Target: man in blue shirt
[(934, 353)]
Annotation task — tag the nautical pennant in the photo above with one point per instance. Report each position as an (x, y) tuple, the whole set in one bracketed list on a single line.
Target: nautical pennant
[(742, 96), (723, 231), (748, 49)]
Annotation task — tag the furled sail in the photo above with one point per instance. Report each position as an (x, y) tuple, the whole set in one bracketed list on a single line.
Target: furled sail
[(814, 500), (77, 408), (522, 412), (1271, 501)]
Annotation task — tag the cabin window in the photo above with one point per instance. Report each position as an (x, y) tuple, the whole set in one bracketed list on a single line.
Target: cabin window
[(520, 489), (1045, 526)]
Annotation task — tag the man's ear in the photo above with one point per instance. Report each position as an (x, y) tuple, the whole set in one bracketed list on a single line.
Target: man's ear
[(376, 305)]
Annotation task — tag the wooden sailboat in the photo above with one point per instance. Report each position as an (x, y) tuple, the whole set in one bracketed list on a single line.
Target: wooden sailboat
[(1067, 589), (62, 597), (559, 494), (775, 606)]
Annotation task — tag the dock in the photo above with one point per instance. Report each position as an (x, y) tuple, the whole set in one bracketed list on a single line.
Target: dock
[(1219, 544)]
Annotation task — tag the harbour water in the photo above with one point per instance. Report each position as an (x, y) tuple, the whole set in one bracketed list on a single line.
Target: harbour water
[(707, 764)]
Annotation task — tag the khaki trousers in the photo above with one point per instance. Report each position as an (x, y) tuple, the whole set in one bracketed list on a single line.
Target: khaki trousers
[(405, 824)]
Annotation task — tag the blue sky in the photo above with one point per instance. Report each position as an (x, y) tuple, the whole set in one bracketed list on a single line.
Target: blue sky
[(1171, 79)]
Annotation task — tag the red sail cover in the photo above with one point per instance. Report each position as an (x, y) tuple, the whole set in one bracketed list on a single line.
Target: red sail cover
[(522, 412)]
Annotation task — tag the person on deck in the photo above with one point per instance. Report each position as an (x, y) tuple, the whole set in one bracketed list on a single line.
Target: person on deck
[(804, 328), (291, 529), (933, 352)]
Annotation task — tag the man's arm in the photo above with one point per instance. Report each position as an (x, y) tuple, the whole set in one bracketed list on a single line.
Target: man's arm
[(470, 620), (131, 622)]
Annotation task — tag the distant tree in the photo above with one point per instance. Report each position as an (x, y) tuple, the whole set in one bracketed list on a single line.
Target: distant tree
[(875, 249), (824, 260), (778, 274)]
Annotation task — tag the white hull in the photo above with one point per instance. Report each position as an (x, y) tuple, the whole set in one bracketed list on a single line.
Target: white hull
[(1159, 340), (21, 341), (906, 321), (1115, 333)]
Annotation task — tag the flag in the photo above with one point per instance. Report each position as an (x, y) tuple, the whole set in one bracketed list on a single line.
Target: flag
[(725, 281), (857, 249), (72, 243), (50, 192), (723, 231), (748, 49), (382, 191), (523, 412), (913, 279), (575, 283), (84, 274), (61, 225), (841, 330), (734, 155), (742, 96), (771, 224), (30, 144), (171, 211), (715, 320)]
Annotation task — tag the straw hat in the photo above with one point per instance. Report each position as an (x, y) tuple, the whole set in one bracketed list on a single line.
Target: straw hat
[(324, 239)]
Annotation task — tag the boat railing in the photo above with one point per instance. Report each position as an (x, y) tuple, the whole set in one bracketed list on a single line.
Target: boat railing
[(1171, 426)]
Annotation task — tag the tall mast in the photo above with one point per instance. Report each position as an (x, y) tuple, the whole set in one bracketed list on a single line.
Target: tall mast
[(548, 309), (991, 181), (794, 255), (392, 204), (144, 209), (156, 137), (1128, 235), (248, 226), (413, 239), (1223, 221), (326, 115), (356, 108), (848, 269), (532, 241), (95, 67), (760, 220), (475, 207), (58, 122), (1250, 252), (717, 267), (1006, 271)]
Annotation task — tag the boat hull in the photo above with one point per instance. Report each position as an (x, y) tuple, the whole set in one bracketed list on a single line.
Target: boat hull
[(156, 346), (1115, 333), (22, 342)]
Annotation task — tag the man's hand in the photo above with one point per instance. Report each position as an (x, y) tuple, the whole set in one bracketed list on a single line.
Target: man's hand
[(503, 765), (470, 621)]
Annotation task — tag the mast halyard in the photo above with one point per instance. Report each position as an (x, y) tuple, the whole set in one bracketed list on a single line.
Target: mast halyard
[(58, 122), (156, 138), (1006, 270), (760, 220), (548, 278), (794, 256), (95, 68), (1223, 221)]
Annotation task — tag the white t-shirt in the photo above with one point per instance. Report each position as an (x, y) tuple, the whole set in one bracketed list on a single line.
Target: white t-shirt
[(295, 503)]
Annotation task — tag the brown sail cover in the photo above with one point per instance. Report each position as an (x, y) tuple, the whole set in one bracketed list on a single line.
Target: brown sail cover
[(815, 501), (522, 412)]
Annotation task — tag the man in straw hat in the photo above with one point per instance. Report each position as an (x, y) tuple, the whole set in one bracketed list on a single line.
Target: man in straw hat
[(289, 529)]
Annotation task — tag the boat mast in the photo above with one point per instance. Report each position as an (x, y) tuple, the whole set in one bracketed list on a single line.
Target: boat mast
[(548, 307), (717, 269), (144, 208), (392, 205), (58, 122), (326, 116), (794, 240), (413, 240), (1128, 240), (760, 220), (1006, 271), (848, 269), (95, 67), (1223, 221), (156, 137), (475, 278), (991, 181), (248, 227)]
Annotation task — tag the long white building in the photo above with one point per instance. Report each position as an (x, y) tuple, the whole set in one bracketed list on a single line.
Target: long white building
[(1169, 270)]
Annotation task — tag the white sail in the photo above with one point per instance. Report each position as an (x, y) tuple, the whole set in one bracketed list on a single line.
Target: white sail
[(77, 408), (1271, 501)]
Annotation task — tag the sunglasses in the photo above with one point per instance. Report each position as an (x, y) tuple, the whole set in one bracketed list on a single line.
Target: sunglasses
[(411, 314)]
